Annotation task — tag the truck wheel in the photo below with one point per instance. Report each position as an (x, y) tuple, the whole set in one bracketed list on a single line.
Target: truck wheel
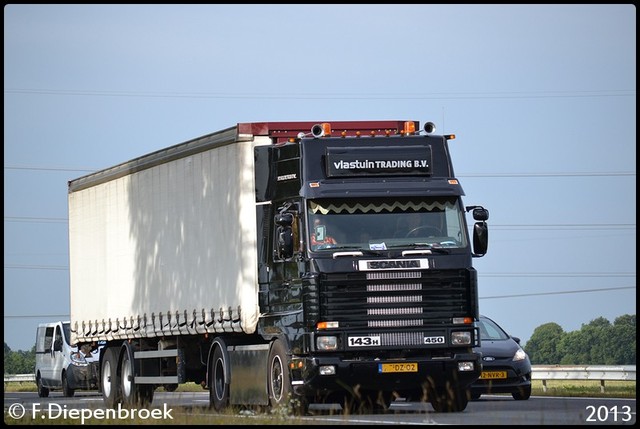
[(218, 381), (43, 392), (279, 382), (109, 378), (449, 400), (132, 393), (66, 390)]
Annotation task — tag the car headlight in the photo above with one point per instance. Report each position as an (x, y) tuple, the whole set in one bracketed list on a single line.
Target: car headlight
[(520, 355), (78, 359)]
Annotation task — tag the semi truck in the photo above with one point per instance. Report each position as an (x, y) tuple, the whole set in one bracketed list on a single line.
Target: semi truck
[(279, 265)]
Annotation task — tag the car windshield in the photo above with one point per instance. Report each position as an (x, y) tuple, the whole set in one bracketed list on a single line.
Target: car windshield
[(489, 330), (379, 224)]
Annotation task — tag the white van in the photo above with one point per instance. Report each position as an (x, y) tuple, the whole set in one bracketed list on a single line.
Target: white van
[(59, 366)]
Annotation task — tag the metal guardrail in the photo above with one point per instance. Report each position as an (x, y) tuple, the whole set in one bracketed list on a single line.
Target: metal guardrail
[(583, 372), (538, 372), (19, 377)]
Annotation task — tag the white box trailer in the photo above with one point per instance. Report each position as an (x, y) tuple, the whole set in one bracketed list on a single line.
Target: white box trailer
[(166, 244)]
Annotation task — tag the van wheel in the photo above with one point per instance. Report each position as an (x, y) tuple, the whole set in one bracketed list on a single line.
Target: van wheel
[(43, 392), (66, 390), (109, 378)]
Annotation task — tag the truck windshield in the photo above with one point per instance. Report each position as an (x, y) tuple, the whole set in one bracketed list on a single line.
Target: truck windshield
[(379, 224)]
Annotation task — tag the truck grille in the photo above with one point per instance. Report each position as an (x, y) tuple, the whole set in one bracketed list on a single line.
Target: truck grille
[(385, 301)]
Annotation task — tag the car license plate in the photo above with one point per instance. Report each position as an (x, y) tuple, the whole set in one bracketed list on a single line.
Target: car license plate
[(492, 375), (398, 367)]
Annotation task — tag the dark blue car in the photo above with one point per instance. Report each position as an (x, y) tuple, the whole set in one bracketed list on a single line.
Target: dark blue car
[(506, 367)]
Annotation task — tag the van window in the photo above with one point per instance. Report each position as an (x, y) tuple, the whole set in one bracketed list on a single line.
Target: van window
[(58, 339), (48, 339)]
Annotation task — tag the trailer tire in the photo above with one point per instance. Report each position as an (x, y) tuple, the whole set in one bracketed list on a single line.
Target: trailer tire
[(110, 380), (133, 394), (218, 381)]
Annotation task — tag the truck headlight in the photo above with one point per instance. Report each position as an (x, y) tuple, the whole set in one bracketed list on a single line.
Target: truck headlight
[(327, 343), (459, 338)]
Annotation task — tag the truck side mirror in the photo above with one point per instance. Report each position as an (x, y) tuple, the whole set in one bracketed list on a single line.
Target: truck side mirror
[(481, 214), (480, 238), (284, 242), (284, 219)]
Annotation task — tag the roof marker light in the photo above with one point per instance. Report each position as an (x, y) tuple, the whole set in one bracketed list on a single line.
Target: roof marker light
[(409, 128)]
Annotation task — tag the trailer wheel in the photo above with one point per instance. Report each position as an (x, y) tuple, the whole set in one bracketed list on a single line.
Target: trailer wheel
[(109, 378), (133, 393), (43, 392), (279, 382), (218, 381)]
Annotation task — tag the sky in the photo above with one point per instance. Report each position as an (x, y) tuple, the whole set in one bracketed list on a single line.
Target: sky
[(541, 98)]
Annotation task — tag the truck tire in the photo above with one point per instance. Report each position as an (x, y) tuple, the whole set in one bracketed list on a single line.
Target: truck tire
[(279, 382), (110, 381), (133, 394), (218, 380), (43, 392), (66, 390), (448, 400)]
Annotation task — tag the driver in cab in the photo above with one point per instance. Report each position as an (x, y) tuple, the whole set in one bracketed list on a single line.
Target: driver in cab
[(319, 238)]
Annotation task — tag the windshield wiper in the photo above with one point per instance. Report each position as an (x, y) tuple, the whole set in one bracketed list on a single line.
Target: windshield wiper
[(356, 248), (423, 246)]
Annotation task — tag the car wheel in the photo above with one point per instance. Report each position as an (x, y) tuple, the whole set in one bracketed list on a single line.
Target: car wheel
[(522, 394)]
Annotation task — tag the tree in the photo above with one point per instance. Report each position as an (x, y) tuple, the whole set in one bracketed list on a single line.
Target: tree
[(624, 335), (542, 346)]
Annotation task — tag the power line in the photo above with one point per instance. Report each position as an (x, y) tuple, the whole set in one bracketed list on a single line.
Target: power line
[(13, 167), (568, 174), (556, 293), (487, 175), (36, 267), (328, 96), (35, 219), (66, 316), (574, 226)]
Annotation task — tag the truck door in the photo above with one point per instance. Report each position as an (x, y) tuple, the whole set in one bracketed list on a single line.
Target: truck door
[(285, 286)]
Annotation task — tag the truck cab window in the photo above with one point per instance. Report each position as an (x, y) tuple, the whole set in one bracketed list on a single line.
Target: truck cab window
[(372, 223)]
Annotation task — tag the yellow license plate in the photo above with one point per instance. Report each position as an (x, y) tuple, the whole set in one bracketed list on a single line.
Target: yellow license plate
[(492, 375), (398, 367)]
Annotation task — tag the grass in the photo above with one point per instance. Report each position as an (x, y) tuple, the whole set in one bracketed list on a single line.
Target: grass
[(585, 388)]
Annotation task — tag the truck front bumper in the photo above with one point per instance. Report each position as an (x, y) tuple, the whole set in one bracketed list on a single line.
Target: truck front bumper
[(332, 374)]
